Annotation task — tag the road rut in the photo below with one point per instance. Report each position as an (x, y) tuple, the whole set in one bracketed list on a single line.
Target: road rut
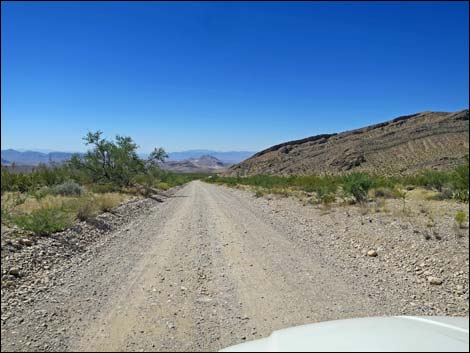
[(216, 274)]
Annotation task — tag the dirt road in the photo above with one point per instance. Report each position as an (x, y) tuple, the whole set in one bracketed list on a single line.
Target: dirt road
[(205, 270)]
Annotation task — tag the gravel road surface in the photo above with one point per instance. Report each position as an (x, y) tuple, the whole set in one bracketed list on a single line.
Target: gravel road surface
[(208, 268)]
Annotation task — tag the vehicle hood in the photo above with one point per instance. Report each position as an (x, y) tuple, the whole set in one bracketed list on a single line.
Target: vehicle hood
[(399, 333)]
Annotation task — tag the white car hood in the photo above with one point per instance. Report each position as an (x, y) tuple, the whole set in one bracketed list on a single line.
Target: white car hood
[(400, 333)]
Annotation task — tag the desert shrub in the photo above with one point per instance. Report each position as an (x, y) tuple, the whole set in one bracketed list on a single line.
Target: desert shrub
[(380, 205), (106, 202), (400, 192), (104, 188), (435, 179), (446, 193), (41, 175), (461, 218), (327, 199), (42, 192), (357, 185), (259, 193), (86, 210), (20, 182), (68, 188), (460, 182), (325, 194), (44, 220), (5, 216), (383, 192), (163, 186), (19, 198), (285, 192), (145, 179), (51, 175)]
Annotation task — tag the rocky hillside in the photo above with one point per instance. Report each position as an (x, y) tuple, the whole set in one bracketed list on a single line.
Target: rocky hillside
[(427, 140)]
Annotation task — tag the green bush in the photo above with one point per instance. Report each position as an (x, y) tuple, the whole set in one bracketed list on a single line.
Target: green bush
[(327, 199), (68, 188), (460, 182), (435, 179), (357, 185), (449, 184), (44, 221), (446, 193), (40, 176), (5, 216), (104, 188), (163, 186), (325, 194), (15, 181), (259, 193), (461, 218), (42, 192)]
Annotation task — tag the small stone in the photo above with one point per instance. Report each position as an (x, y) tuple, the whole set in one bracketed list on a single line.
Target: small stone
[(14, 272), (372, 253), (27, 242), (7, 284), (435, 281)]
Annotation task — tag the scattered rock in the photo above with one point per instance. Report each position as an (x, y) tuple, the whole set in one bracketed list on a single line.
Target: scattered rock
[(372, 253), (14, 272), (27, 242), (435, 280)]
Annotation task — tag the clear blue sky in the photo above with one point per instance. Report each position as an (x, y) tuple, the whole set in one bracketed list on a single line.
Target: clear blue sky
[(224, 76)]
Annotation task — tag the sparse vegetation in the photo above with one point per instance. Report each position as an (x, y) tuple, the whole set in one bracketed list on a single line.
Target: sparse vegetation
[(400, 192), (325, 196), (106, 202), (383, 192), (460, 181), (44, 220), (68, 188), (86, 210), (259, 193), (50, 198), (357, 187), (461, 219)]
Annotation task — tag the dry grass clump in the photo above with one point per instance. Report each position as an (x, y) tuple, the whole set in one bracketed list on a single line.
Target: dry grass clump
[(107, 201), (53, 213)]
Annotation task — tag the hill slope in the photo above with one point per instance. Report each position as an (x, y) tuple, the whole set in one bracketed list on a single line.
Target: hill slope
[(427, 140)]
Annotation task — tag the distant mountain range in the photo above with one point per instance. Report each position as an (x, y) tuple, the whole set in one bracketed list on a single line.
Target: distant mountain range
[(33, 158), (226, 157), (204, 164)]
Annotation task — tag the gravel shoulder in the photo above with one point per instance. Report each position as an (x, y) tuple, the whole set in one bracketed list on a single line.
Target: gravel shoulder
[(213, 266)]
